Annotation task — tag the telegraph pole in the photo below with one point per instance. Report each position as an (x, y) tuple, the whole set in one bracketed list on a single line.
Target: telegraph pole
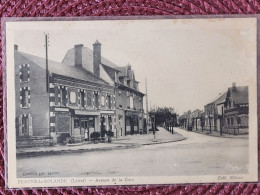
[(146, 95)]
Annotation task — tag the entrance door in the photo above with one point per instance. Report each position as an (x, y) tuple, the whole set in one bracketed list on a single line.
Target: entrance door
[(85, 128), (132, 125)]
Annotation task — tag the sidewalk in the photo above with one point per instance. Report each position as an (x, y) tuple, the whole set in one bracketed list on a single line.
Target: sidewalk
[(130, 141), (217, 134)]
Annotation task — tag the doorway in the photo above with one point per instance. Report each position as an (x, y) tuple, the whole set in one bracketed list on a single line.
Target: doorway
[(84, 126)]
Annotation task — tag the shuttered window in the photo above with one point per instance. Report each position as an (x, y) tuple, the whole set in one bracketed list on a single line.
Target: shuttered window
[(25, 97), (25, 125)]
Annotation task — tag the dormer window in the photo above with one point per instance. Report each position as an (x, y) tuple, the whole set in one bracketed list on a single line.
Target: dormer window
[(24, 73), (128, 83)]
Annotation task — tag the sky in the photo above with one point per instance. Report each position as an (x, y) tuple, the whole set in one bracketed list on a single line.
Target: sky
[(187, 62)]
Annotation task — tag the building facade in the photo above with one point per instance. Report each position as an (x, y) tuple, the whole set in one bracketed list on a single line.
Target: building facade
[(236, 110), (129, 100), (63, 102)]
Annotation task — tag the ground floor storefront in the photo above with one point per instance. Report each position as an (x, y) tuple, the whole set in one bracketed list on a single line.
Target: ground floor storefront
[(78, 125)]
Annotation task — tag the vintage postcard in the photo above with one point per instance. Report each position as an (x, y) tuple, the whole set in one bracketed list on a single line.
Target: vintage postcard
[(130, 101)]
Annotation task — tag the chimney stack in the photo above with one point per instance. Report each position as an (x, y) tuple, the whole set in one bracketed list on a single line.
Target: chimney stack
[(78, 55), (16, 47), (234, 86), (96, 58)]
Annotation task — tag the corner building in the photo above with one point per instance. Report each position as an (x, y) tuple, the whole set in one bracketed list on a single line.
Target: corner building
[(128, 99)]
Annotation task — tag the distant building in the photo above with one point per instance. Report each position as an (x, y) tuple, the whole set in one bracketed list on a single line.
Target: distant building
[(236, 109), (195, 118)]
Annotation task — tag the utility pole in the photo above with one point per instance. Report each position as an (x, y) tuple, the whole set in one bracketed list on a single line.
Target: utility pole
[(146, 95)]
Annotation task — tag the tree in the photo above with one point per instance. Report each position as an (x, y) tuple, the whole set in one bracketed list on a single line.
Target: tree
[(163, 115)]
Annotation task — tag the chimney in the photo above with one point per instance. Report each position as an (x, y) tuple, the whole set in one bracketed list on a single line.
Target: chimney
[(78, 55), (16, 47), (234, 86), (96, 58)]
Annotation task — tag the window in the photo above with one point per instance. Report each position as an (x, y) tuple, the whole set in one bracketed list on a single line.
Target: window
[(131, 102), (96, 100), (25, 97), (24, 73), (25, 125), (102, 100), (128, 83), (56, 93), (82, 99), (63, 96), (89, 99), (109, 101), (110, 123), (232, 121)]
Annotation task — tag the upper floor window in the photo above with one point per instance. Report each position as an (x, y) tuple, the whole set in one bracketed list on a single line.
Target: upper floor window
[(96, 96), (109, 101), (63, 96), (102, 100), (25, 97), (89, 99), (131, 102), (24, 73), (128, 83), (82, 99)]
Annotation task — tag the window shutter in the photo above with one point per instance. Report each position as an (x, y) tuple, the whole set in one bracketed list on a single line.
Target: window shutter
[(30, 126), (20, 123)]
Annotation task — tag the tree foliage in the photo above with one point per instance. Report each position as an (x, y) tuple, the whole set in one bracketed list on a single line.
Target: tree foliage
[(163, 114)]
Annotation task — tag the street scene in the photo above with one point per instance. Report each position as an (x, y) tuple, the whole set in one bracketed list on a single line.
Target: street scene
[(184, 153), (176, 102)]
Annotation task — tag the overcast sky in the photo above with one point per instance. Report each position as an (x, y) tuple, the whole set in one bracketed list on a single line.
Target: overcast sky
[(187, 63)]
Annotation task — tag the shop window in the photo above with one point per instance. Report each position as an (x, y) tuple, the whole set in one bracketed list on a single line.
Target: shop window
[(24, 74), (82, 99), (110, 123), (25, 97)]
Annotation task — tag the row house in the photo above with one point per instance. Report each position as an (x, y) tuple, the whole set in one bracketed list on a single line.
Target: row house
[(129, 100), (196, 119), (227, 113), (236, 110)]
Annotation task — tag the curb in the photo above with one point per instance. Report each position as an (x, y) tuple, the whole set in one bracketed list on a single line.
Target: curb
[(52, 152), (69, 151), (232, 137)]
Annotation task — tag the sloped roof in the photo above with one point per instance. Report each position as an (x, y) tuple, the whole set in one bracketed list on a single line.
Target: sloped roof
[(221, 98), (87, 59), (64, 70), (239, 94)]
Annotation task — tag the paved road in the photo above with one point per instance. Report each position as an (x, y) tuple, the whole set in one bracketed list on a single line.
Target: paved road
[(197, 155)]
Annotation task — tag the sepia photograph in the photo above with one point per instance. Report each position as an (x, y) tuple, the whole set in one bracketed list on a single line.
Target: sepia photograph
[(107, 101)]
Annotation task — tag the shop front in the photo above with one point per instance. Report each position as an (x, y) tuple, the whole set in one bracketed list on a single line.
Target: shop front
[(83, 124), (131, 123)]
